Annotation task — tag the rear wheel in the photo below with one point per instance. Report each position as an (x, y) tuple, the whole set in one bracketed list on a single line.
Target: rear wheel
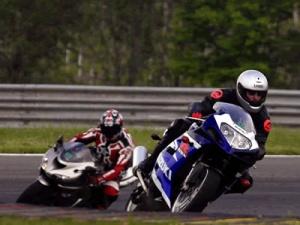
[(201, 186), (131, 206), (140, 201), (136, 199)]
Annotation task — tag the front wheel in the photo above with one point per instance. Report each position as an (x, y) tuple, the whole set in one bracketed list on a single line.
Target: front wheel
[(37, 194), (201, 186)]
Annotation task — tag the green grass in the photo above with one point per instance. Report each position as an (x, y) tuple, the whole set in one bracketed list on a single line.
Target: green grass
[(16, 220), (282, 140), (38, 140)]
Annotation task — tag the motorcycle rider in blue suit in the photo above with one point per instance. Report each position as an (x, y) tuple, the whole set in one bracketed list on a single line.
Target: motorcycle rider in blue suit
[(250, 93)]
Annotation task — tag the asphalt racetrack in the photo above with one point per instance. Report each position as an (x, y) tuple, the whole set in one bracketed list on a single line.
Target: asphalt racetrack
[(276, 192)]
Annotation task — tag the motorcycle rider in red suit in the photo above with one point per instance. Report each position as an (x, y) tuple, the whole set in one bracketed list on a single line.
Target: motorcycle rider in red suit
[(114, 147), (250, 93)]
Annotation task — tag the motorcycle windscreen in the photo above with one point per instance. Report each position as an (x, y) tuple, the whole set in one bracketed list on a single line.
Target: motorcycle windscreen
[(234, 127), (238, 115), (75, 152), (170, 161)]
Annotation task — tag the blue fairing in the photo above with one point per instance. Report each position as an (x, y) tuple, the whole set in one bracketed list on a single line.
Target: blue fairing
[(210, 123), (174, 156)]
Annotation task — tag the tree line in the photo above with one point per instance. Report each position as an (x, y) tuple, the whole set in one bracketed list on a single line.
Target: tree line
[(150, 42)]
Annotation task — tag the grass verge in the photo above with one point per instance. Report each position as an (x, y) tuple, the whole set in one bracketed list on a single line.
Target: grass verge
[(282, 140), (15, 220)]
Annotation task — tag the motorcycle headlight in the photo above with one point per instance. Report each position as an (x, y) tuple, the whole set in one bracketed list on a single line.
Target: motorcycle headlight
[(234, 138)]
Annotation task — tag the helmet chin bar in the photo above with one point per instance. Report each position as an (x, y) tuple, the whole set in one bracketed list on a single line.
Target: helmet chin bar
[(110, 132), (114, 137)]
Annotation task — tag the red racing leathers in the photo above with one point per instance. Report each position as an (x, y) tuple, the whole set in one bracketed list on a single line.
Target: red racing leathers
[(118, 156)]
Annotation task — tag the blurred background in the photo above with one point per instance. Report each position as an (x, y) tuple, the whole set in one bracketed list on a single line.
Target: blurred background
[(180, 43)]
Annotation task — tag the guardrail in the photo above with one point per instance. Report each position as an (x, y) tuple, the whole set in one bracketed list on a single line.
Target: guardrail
[(33, 105)]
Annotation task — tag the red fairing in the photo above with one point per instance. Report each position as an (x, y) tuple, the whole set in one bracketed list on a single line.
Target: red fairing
[(216, 94)]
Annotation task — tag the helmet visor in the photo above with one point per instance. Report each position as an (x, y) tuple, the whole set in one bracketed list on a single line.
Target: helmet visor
[(256, 98), (253, 97)]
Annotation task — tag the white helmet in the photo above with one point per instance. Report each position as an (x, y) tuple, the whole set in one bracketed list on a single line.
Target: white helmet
[(252, 81)]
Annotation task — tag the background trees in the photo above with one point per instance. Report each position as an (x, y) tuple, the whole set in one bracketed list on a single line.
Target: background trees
[(219, 39), (33, 35), (150, 42)]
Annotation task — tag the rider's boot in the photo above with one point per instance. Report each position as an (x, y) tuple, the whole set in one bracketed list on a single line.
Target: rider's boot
[(242, 184), (104, 196)]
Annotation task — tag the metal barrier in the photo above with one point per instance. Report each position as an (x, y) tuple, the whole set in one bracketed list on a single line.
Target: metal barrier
[(34, 105)]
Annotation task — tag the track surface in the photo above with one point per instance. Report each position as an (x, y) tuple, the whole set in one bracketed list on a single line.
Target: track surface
[(276, 193)]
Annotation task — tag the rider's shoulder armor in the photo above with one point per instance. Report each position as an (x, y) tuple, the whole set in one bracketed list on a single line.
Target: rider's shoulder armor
[(223, 95), (262, 121)]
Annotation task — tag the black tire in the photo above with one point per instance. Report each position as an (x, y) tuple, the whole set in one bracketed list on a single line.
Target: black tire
[(137, 200), (37, 194), (140, 201), (131, 206), (203, 186)]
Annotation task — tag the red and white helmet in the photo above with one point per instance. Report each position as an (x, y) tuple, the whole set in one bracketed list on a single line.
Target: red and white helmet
[(111, 123)]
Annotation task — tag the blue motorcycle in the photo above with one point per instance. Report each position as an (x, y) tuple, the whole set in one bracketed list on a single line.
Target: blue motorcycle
[(201, 164)]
